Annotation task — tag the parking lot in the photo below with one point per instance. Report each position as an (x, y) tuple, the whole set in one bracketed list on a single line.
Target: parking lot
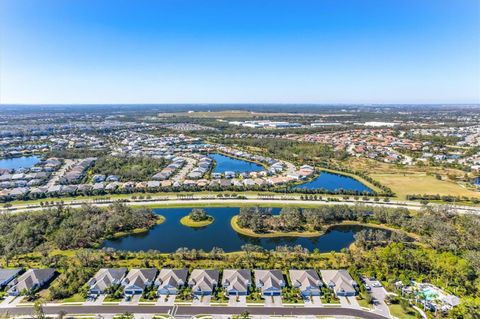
[(378, 293)]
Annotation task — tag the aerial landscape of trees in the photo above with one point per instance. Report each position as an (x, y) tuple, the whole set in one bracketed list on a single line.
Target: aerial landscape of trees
[(68, 228), (132, 168), (438, 227), (445, 249)]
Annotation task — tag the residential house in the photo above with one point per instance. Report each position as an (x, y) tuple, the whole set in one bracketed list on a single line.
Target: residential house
[(104, 279), (31, 280), (170, 280), (307, 281), (340, 282), (236, 281), (7, 275), (270, 282), (137, 280), (203, 281)]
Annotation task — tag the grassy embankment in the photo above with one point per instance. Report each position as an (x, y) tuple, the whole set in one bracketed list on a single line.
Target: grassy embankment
[(188, 222), (398, 312)]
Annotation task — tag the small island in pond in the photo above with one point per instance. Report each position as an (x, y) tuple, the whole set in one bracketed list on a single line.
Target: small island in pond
[(260, 222), (197, 218)]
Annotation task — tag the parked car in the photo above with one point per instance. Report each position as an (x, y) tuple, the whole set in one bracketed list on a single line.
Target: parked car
[(368, 288)]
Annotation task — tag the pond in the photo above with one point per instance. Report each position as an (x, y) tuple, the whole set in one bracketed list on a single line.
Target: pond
[(171, 235), (227, 163), (334, 182), (476, 181), (19, 162)]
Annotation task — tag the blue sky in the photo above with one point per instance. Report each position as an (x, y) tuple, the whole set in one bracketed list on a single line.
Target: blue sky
[(178, 51)]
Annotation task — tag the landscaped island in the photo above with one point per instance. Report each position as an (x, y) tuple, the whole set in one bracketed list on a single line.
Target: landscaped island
[(313, 222), (272, 233), (197, 218)]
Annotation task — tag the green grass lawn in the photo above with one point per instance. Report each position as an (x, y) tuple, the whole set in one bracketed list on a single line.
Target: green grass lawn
[(188, 222), (397, 311), (110, 298), (363, 302), (75, 298), (403, 185)]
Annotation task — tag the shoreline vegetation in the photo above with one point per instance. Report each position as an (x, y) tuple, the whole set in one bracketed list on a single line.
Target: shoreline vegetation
[(272, 234), (188, 222), (66, 228), (314, 222), (160, 220), (307, 234), (197, 218)]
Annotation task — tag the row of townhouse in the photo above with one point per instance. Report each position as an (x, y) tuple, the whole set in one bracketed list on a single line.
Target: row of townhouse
[(170, 169), (33, 176), (236, 282), (202, 167), (74, 174)]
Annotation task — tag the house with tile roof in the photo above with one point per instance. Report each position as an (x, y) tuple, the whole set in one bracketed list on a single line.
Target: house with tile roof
[(137, 280), (169, 281), (236, 282), (307, 281), (104, 279), (340, 282), (270, 282), (31, 280), (203, 281)]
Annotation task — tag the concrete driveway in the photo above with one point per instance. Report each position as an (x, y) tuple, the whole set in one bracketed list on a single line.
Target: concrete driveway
[(349, 302), (237, 301), (201, 300), (165, 300), (313, 301), (134, 300), (273, 301), (98, 301), (7, 301)]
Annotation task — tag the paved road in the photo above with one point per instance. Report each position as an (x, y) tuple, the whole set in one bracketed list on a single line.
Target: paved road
[(194, 310), (253, 199)]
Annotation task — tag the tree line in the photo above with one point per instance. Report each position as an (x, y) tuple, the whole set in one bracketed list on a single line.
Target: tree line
[(67, 228)]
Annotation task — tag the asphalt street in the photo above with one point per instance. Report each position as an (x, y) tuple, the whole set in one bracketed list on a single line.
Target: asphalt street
[(195, 310)]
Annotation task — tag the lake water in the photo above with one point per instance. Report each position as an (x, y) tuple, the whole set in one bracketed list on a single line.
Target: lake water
[(171, 235), (335, 182), (19, 162), (226, 163)]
